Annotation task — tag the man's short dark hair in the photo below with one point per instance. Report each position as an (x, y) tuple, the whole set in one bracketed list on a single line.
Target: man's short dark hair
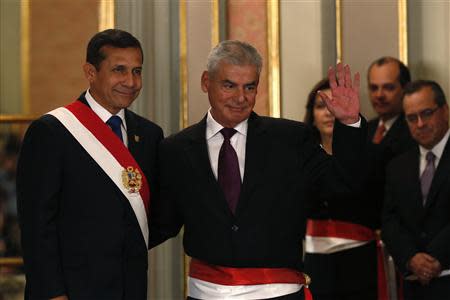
[(404, 76), (110, 37), (417, 85)]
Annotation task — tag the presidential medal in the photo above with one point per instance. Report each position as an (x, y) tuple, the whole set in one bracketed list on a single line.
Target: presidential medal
[(132, 180)]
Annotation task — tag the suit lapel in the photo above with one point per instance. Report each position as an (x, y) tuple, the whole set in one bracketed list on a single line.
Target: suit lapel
[(441, 175), (134, 139), (257, 146), (412, 171), (197, 152)]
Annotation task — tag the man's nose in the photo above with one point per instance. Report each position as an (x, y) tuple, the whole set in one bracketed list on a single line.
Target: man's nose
[(240, 94), (129, 80)]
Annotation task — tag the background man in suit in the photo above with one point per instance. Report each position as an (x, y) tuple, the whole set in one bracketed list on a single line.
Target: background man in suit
[(416, 218), (238, 182), (388, 134), (82, 188)]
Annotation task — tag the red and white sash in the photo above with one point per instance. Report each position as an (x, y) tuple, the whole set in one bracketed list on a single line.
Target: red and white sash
[(208, 281), (111, 155), (330, 236)]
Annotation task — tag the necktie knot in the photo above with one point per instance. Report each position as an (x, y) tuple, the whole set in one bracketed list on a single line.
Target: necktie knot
[(227, 132), (379, 133), (115, 123), (430, 157)]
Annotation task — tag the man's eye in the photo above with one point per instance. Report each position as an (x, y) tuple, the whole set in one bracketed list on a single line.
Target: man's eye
[(119, 69), (373, 88), (228, 85), (250, 87), (389, 87), (137, 71)]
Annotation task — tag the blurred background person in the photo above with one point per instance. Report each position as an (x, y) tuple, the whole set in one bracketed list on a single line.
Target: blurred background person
[(388, 137), (340, 248), (388, 134)]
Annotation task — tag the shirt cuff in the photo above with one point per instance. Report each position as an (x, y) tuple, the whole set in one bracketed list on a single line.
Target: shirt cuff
[(356, 125)]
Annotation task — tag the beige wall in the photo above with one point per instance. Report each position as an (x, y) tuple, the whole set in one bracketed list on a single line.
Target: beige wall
[(58, 36), (429, 41), (305, 54), (199, 19), (369, 31)]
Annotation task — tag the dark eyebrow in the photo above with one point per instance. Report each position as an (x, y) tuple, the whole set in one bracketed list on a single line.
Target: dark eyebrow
[(250, 83)]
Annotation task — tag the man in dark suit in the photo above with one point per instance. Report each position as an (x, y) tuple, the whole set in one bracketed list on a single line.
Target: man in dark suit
[(238, 182), (416, 217), (388, 134), (83, 188), (388, 137)]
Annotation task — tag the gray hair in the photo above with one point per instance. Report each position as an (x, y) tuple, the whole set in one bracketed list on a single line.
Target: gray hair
[(233, 52)]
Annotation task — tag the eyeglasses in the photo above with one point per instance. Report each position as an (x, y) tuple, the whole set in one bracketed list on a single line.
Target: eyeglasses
[(424, 115)]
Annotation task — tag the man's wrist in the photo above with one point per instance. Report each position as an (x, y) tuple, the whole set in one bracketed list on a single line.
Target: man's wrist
[(352, 122)]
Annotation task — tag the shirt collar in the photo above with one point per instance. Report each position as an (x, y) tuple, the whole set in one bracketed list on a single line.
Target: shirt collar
[(438, 149), (101, 112), (213, 127), (388, 123)]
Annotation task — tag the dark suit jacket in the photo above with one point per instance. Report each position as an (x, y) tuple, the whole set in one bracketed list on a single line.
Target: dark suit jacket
[(282, 163), (408, 226), (396, 141), (79, 233)]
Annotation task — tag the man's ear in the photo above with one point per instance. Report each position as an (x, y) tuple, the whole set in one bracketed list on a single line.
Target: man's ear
[(205, 81), (90, 72)]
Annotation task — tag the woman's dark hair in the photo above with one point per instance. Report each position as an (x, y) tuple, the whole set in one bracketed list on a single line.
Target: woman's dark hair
[(324, 84)]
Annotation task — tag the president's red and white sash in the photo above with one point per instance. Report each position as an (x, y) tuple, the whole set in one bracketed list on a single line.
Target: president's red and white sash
[(111, 155), (330, 236)]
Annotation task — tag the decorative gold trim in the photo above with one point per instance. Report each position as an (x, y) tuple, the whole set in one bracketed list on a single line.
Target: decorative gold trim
[(11, 261), (403, 31), (338, 30), (183, 65), (273, 38), (25, 54), (105, 14), (17, 118), (215, 27)]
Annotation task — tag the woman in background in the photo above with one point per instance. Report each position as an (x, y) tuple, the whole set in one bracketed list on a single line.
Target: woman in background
[(340, 249)]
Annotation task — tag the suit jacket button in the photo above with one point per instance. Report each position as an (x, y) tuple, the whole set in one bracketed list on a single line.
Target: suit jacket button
[(234, 228)]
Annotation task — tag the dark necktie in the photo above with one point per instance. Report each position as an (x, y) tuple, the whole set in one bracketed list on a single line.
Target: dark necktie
[(115, 123), (379, 134), (228, 174), (427, 176)]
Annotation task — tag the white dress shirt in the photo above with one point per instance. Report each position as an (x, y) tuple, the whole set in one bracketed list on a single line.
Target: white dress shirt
[(104, 115), (215, 140), (437, 151)]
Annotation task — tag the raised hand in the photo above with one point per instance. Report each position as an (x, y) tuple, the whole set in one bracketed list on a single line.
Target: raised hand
[(344, 101)]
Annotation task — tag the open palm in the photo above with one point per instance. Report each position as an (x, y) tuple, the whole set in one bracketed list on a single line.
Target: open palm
[(344, 103)]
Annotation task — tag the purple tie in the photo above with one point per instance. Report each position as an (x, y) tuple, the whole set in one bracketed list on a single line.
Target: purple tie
[(427, 176), (228, 173)]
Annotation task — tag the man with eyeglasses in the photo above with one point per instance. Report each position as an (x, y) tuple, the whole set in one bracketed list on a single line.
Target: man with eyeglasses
[(416, 217)]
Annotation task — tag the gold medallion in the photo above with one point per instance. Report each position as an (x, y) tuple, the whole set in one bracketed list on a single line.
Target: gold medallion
[(132, 180)]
